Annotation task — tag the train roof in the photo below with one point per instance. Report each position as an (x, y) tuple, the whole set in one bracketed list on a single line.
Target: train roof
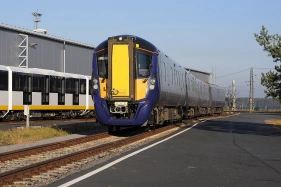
[(42, 72), (142, 42)]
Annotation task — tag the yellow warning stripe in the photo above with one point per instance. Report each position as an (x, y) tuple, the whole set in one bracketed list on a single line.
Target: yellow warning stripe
[(57, 107)]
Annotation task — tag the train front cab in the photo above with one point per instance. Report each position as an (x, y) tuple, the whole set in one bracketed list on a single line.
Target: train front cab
[(124, 81)]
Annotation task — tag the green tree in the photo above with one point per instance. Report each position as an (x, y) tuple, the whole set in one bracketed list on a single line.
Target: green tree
[(272, 79)]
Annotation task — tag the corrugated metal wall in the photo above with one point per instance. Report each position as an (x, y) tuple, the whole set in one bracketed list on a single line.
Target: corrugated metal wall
[(75, 58), (46, 54), (9, 50)]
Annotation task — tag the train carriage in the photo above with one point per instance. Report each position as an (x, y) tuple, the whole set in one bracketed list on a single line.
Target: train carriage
[(47, 93)]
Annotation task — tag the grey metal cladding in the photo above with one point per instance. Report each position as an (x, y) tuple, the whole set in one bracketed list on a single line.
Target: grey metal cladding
[(45, 54), (9, 50), (78, 59), (44, 51)]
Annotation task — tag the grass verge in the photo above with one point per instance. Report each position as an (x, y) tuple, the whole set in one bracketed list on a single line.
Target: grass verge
[(19, 136), (273, 122)]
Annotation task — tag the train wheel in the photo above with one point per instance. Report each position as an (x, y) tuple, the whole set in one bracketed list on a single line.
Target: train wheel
[(147, 128)]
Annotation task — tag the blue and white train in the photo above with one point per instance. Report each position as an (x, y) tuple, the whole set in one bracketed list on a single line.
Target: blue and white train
[(136, 84)]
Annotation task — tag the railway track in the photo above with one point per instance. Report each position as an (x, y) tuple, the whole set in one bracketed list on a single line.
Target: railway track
[(45, 166), (39, 120), (49, 147)]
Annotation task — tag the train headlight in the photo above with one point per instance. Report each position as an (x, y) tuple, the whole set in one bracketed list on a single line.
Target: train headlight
[(152, 81), (95, 84), (95, 81)]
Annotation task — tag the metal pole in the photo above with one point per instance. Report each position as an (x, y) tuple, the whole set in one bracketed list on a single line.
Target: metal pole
[(26, 113), (64, 56), (251, 91), (233, 96)]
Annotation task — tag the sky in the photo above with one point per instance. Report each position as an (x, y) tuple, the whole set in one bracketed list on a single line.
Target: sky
[(198, 34)]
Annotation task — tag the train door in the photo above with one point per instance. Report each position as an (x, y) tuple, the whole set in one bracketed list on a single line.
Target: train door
[(61, 90), (121, 65), (27, 89), (46, 90)]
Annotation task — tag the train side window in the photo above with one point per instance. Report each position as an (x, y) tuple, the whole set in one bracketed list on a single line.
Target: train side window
[(61, 90), (37, 83), (68, 85), (82, 86), (143, 65), (4, 80), (90, 87), (75, 86), (102, 65), (53, 84), (75, 91), (17, 81)]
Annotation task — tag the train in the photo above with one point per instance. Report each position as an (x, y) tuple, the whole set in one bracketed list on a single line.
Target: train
[(134, 83), (44, 93)]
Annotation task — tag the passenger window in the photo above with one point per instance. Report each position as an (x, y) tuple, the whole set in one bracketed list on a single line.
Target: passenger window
[(90, 87), (82, 86), (53, 84), (37, 83), (102, 65), (3, 80), (143, 65), (17, 81), (75, 86), (68, 85)]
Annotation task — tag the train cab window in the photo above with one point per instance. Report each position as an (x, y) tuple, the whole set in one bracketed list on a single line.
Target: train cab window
[(82, 86), (3, 80), (53, 84), (37, 83), (102, 65), (143, 65)]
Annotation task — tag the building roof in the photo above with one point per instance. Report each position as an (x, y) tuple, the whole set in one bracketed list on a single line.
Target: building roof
[(29, 32)]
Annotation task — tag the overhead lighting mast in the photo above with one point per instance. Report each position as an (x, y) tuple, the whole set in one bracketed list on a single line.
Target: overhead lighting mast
[(37, 18)]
